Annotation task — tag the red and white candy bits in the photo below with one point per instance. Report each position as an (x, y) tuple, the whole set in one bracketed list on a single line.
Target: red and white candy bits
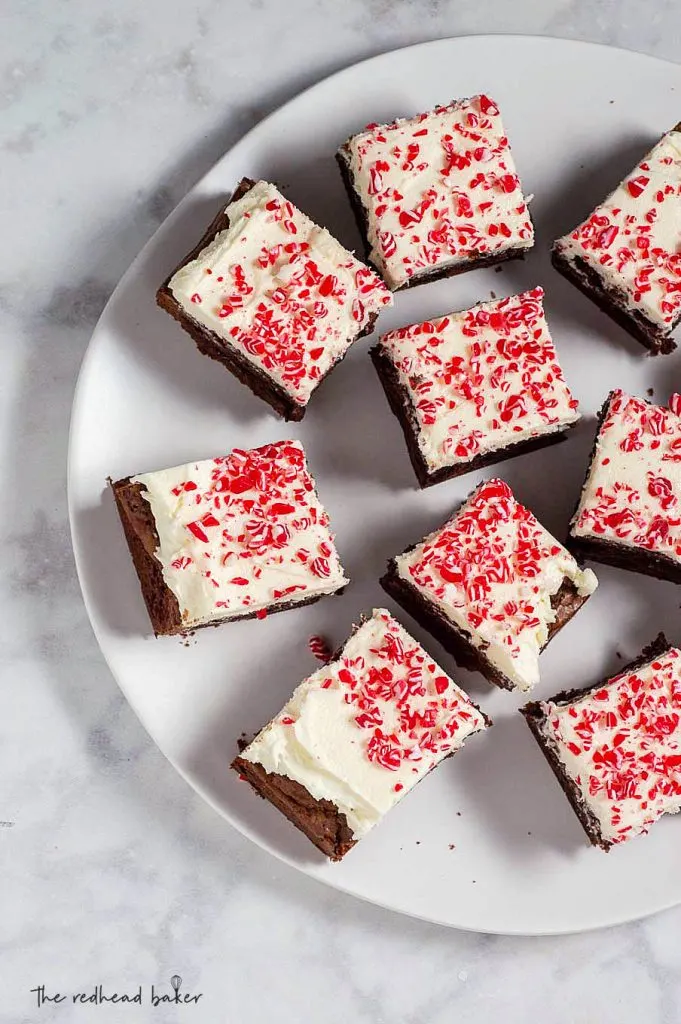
[(631, 241), (281, 291), (482, 379), (361, 731), (632, 494), (242, 533), (492, 570), (620, 744), (439, 190)]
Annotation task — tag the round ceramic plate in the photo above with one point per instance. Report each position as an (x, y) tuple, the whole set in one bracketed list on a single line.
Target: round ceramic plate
[(488, 841)]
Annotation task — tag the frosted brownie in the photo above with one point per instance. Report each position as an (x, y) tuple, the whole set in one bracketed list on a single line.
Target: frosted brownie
[(475, 387), (616, 747), (229, 538), (437, 194), (273, 297), (629, 511), (626, 255), (358, 734), (492, 585)]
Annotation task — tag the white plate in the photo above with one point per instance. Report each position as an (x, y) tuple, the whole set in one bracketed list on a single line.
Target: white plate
[(578, 116)]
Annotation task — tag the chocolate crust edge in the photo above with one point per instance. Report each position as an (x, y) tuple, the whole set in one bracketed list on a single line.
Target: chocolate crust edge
[(535, 717), (362, 221), (142, 539), (210, 344), (566, 602), (402, 407), (609, 300), (609, 552), (320, 820)]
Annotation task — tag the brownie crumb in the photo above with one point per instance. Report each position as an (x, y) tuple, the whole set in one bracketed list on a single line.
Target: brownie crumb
[(650, 392), (493, 295), (452, 846), (458, 814), (498, 270), (242, 742), (618, 654)]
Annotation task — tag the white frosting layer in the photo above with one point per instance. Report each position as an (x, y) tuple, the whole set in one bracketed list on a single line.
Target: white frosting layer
[(621, 745), (364, 729), (280, 290), (482, 379), (439, 190), (493, 569), (242, 533), (633, 239), (632, 494)]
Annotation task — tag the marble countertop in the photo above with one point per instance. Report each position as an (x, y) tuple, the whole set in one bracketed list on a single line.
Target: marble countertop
[(112, 871)]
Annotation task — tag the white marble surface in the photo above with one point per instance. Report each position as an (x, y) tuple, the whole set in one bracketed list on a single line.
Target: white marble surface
[(111, 870)]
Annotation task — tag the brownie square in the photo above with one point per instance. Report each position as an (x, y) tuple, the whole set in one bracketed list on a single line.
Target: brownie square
[(228, 538), (476, 387), (436, 194), (616, 747), (626, 255), (358, 734), (273, 297), (629, 511), (492, 585)]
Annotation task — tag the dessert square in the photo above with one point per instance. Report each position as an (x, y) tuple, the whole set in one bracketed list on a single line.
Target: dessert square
[(476, 387), (358, 734), (626, 255), (629, 511), (492, 585), (616, 747), (228, 538), (436, 194), (273, 297)]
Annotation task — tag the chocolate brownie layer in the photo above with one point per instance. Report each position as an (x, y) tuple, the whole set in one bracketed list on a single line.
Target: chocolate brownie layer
[(211, 344), (612, 301), (566, 602), (474, 263), (319, 820), (142, 538), (535, 716), (401, 404)]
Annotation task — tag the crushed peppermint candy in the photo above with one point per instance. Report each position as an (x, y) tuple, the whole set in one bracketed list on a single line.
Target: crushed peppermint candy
[(493, 570), (364, 729), (320, 649), (620, 744), (632, 239), (632, 494), (438, 190), (242, 533), (280, 290), (482, 379)]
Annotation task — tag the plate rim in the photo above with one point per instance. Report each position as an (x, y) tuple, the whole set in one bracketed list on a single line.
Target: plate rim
[(77, 401)]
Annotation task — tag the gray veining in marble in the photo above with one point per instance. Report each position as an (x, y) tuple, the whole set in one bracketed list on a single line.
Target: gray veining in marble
[(111, 870)]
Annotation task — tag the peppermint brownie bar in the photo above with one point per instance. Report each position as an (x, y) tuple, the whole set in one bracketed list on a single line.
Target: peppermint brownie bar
[(229, 538), (358, 734), (436, 194), (626, 255), (492, 585), (616, 747), (629, 511), (475, 387), (273, 297)]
